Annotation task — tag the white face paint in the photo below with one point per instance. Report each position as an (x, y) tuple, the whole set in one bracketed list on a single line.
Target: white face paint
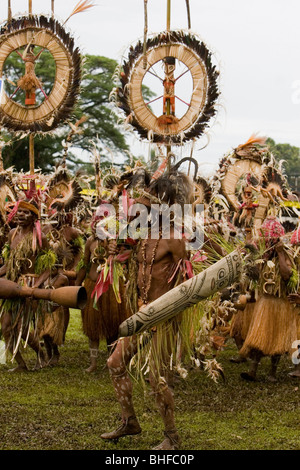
[(24, 217)]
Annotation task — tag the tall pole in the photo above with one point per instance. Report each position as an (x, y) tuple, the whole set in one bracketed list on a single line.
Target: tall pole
[(31, 154), (188, 13), (168, 15), (52, 8), (145, 34), (168, 104), (31, 136), (9, 14)]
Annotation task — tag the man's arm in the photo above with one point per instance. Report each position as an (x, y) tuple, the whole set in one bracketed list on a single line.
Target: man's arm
[(86, 259), (285, 265), (177, 249), (3, 270)]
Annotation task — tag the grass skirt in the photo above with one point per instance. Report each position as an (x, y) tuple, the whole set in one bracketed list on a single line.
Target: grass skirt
[(53, 325), (273, 327), (241, 321), (103, 323)]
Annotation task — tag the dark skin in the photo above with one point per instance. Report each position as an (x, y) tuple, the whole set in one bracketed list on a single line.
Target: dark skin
[(285, 264), (91, 245), (69, 233), (168, 254), (25, 223)]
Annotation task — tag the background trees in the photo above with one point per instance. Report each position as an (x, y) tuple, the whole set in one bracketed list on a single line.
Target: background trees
[(291, 156), (101, 125)]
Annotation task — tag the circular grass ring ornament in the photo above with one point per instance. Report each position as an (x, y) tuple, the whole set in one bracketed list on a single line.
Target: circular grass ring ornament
[(169, 48), (47, 34), (8, 194)]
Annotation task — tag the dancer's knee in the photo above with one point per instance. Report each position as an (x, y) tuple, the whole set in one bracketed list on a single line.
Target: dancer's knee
[(115, 365)]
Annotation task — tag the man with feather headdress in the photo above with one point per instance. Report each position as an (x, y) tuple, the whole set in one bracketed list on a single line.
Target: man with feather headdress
[(24, 256), (66, 242), (160, 264), (108, 304)]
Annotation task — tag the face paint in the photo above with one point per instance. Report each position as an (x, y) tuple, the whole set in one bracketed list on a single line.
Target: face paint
[(24, 217)]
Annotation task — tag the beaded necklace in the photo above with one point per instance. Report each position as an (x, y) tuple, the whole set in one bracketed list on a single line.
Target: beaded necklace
[(146, 287)]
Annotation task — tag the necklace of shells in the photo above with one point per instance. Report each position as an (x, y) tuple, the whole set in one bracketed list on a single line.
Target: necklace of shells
[(147, 286)]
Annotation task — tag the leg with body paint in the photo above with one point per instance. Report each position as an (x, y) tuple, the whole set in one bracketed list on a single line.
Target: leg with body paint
[(164, 399), (117, 364)]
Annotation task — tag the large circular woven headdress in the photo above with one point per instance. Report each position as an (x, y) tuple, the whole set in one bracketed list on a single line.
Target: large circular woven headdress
[(25, 33), (7, 194), (253, 165), (167, 48)]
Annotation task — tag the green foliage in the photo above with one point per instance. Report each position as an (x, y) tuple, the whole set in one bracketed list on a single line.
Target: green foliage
[(291, 156), (45, 260)]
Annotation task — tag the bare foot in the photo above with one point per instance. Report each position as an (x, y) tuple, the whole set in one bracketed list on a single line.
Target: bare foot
[(271, 378), (53, 361), (237, 359), (92, 368), (19, 368), (248, 376), (295, 373), (171, 442), (40, 364)]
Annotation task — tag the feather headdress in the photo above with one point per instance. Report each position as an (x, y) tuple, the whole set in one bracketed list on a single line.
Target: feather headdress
[(253, 140)]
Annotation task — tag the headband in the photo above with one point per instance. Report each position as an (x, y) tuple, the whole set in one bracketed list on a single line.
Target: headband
[(28, 206)]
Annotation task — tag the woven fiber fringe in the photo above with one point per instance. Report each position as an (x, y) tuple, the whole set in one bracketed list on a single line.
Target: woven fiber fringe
[(273, 327), (198, 48), (50, 34), (241, 321), (91, 321), (104, 322), (53, 325)]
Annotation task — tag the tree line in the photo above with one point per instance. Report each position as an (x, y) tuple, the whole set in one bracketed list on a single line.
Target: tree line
[(101, 125)]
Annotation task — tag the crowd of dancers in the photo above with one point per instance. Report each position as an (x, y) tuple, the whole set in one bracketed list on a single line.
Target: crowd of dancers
[(53, 235)]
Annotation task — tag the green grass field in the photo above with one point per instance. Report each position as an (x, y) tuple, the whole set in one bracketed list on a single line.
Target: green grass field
[(65, 408)]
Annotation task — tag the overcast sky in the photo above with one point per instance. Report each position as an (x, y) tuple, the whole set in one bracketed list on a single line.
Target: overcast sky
[(256, 45)]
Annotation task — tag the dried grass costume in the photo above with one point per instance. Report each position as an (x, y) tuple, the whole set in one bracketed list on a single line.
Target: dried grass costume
[(273, 327), (25, 314), (102, 323)]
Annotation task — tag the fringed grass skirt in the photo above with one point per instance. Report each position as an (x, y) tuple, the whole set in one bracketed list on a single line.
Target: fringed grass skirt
[(53, 325), (104, 322), (273, 327), (241, 321)]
